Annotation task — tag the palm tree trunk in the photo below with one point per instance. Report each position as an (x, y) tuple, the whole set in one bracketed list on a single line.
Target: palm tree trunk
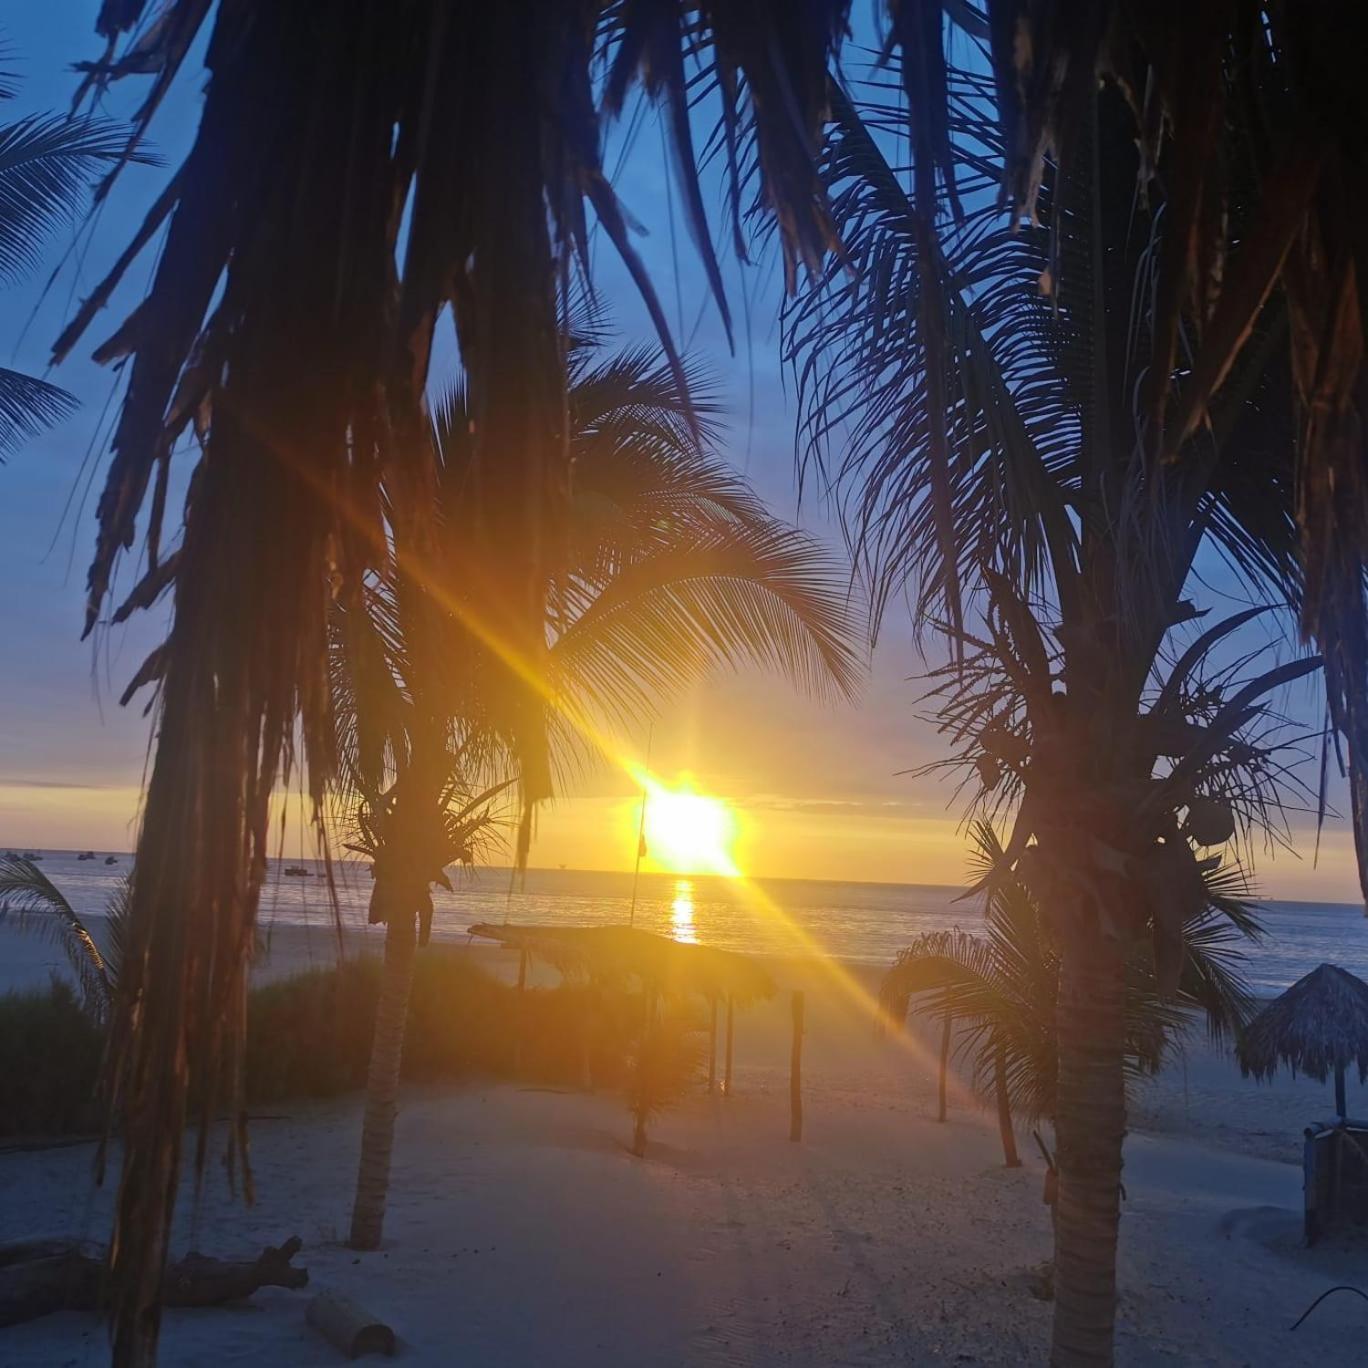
[(382, 1082), (639, 1136), (1004, 1110), (1090, 1128)]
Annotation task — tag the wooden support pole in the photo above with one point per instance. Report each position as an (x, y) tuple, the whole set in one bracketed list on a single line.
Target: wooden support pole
[(712, 1045), (944, 1066), (1004, 1109), (796, 1072), (520, 1024), (1340, 1105), (731, 1024)]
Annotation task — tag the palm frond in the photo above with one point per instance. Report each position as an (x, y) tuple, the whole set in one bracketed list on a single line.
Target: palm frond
[(47, 161), (754, 593), (28, 406), (31, 902), (859, 343), (1002, 986)]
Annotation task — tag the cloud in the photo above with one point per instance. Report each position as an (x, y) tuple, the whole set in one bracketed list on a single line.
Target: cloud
[(24, 781)]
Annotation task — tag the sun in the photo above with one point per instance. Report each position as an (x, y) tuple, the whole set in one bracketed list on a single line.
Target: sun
[(688, 832)]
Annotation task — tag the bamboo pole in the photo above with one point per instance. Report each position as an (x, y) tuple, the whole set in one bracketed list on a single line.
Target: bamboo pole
[(712, 1045), (731, 1023), (796, 1072), (641, 832)]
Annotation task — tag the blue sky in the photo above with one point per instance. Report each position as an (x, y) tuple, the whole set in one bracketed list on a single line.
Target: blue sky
[(818, 787)]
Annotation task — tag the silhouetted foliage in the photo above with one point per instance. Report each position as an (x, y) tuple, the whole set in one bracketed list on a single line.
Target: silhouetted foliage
[(51, 1048)]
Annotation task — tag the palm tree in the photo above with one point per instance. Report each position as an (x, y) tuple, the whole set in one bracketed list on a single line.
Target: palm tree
[(30, 901), (1004, 987), (666, 1061), (666, 565), (401, 866), (318, 130), (997, 464)]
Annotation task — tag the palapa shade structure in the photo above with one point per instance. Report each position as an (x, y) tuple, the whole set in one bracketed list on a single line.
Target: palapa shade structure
[(625, 952), (1317, 1027), (663, 967)]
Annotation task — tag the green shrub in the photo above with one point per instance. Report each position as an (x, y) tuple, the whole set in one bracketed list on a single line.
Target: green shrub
[(50, 1055), (309, 1036)]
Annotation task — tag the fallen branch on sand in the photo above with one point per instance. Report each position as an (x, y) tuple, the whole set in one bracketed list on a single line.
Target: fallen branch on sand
[(38, 1277)]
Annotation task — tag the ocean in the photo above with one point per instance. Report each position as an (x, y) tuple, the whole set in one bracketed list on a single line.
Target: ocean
[(862, 922)]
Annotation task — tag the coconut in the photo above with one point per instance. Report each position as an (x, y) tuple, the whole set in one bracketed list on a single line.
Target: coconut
[(1209, 821)]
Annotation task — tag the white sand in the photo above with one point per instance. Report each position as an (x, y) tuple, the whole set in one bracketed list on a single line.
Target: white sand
[(520, 1231)]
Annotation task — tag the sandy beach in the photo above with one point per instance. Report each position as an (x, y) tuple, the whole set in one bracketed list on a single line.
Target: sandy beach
[(884, 1237)]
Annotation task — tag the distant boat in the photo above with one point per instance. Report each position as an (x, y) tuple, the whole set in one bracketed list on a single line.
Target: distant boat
[(298, 872), (111, 859), (29, 855), (86, 855)]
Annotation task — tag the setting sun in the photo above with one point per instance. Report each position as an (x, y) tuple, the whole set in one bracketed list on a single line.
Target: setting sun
[(689, 833)]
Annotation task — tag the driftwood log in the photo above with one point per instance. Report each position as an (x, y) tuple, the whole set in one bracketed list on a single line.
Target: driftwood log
[(38, 1277), (348, 1326)]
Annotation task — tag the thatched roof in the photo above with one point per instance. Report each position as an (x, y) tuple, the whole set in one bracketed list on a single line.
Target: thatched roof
[(1318, 1025), (624, 952)]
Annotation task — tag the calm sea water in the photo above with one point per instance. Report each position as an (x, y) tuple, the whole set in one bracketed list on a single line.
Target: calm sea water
[(864, 922)]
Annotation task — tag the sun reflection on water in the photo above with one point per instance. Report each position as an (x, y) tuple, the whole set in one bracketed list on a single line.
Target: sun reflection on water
[(682, 913)]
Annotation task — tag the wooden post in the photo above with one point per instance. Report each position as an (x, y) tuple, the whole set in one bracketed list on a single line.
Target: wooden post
[(944, 1066), (520, 1023), (1004, 1110), (1310, 1187), (727, 1070), (1339, 1092), (587, 1037), (796, 1072), (712, 1045)]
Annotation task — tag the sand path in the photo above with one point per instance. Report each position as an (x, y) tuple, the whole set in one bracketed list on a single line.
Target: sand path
[(521, 1232)]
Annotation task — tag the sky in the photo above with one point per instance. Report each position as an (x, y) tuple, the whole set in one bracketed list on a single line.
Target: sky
[(817, 790)]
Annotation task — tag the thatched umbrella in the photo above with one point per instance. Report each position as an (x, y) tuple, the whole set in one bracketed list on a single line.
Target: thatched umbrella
[(1318, 1025)]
